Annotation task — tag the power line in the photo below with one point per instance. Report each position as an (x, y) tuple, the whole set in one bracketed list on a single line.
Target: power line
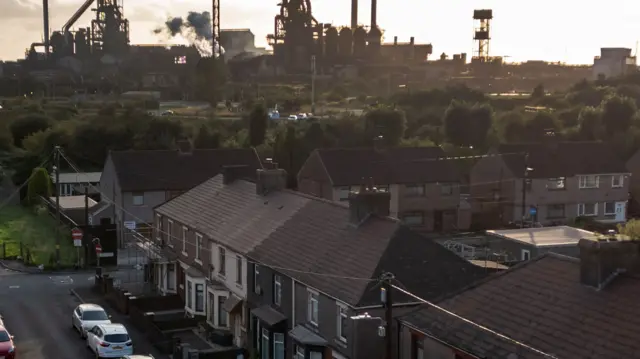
[(479, 326), (75, 168)]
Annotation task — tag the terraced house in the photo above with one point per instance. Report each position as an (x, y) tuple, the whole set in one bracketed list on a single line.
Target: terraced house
[(289, 269), (551, 183), (424, 186)]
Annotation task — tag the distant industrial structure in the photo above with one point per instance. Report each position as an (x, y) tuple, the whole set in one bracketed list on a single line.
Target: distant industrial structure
[(73, 61)]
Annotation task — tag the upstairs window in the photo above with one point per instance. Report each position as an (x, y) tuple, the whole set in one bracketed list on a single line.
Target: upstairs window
[(342, 321), (617, 181), (555, 184), (589, 181), (198, 245), (138, 199), (277, 289), (223, 261), (312, 307), (414, 190), (256, 279), (239, 275)]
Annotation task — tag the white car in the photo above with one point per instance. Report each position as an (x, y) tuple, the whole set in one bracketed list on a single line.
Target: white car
[(109, 341), (87, 316), (292, 118), (138, 357)]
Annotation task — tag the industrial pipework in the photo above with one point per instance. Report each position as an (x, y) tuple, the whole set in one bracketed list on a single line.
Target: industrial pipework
[(45, 15), (76, 15)]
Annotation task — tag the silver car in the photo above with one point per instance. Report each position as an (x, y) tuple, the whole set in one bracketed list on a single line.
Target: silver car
[(87, 316)]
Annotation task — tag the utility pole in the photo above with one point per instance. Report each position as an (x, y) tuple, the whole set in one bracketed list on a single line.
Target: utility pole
[(313, 84), (56, 154), (525, 180), (387, 301)]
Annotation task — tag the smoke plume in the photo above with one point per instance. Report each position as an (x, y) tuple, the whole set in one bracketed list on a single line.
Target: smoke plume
[(195, 28)]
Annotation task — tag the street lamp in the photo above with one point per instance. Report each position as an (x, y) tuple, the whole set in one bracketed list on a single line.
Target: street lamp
[(367, 316)]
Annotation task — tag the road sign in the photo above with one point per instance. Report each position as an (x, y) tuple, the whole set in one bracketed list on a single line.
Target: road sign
[(98, 248), (77, 235), (533, 211)]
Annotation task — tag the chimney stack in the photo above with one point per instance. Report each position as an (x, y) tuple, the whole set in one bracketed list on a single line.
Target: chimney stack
[(233, 172), (374, 14), (269, 164), (270, 180), (368, 202), (45, 15), (354, 15), (601, 261)]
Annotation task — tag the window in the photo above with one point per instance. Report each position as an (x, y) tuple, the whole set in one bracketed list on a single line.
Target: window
[(609, 208), (617, 181), (556, 184), (590, 181), (223, 261), (555, 211), (417, 347), (312, 308), (223, 319), (239, 270), (413, 218), (256, 279), (171, 276), (189, 294), (414, 190), (184, 240), (198, 245), (277, 289), (315, 355), (342, 322), (446, 189), (299, 354), (138, 198), (169, 231), (278, 346), (199, 298), (587, 209), (525, 255), (211, 308), (264, 353)]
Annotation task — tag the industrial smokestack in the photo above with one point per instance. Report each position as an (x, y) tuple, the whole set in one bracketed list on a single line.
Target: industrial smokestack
[(354, 14), (374, 13), (45, 15)]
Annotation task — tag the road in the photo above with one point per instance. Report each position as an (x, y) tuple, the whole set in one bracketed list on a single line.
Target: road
[(37, 311)]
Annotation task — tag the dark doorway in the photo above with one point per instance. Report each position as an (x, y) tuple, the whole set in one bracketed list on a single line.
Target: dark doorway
[(437, 221)]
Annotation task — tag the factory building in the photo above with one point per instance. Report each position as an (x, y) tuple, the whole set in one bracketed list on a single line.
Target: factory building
[(613, 62)]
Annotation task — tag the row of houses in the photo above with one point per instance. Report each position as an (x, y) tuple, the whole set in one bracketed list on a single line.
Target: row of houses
[(550, 184), (287, 273)]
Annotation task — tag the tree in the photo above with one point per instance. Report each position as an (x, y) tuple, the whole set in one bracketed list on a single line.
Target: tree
[(386, 122), (258, 123), (39, 185), (538, 92), (205, 139), (26, 125), (630, 229), (590, 124), (540, 125), (617, 114), (481, 117), (456, 124)]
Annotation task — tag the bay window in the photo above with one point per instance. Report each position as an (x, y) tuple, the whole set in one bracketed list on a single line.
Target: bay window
[(278, 346), (223, 318), (299, 353), (199, 297), (264, 352)]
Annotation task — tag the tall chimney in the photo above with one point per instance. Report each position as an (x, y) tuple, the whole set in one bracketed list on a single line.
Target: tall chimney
[(354, 14), (374, 14), (45, 15)]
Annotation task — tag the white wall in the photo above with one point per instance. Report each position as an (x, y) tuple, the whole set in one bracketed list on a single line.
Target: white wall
[(229, 279)]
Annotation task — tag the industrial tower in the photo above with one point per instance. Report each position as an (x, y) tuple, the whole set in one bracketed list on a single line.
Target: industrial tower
[(215, 16), (482, 35)]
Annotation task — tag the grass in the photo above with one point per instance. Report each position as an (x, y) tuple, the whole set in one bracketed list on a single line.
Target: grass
[(37, 233)]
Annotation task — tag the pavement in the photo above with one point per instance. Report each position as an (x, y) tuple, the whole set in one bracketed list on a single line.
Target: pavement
[(37, 311)]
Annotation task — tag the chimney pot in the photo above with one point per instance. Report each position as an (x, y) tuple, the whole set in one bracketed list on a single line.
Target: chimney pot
[(270, 180), (368, 202), (601, 260), (233, 172)]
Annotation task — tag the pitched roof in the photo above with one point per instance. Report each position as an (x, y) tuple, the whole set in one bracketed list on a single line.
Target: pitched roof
[(540, 303), (287, 229), (172, 170), (562, 159), (348, 166)]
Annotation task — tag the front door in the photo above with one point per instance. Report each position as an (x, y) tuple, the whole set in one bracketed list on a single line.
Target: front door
[(621, 211), (437, 221)]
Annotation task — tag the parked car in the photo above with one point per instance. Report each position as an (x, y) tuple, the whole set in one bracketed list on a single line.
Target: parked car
[(109, 341), (87, 316), (292, 118), (7, 347), (138, 357)]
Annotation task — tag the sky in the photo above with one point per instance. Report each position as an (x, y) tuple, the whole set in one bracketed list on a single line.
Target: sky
[(549, 30)]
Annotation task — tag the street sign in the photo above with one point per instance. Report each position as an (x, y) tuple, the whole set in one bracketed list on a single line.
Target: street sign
[(533, 211), (77, 235), (98, 248)]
